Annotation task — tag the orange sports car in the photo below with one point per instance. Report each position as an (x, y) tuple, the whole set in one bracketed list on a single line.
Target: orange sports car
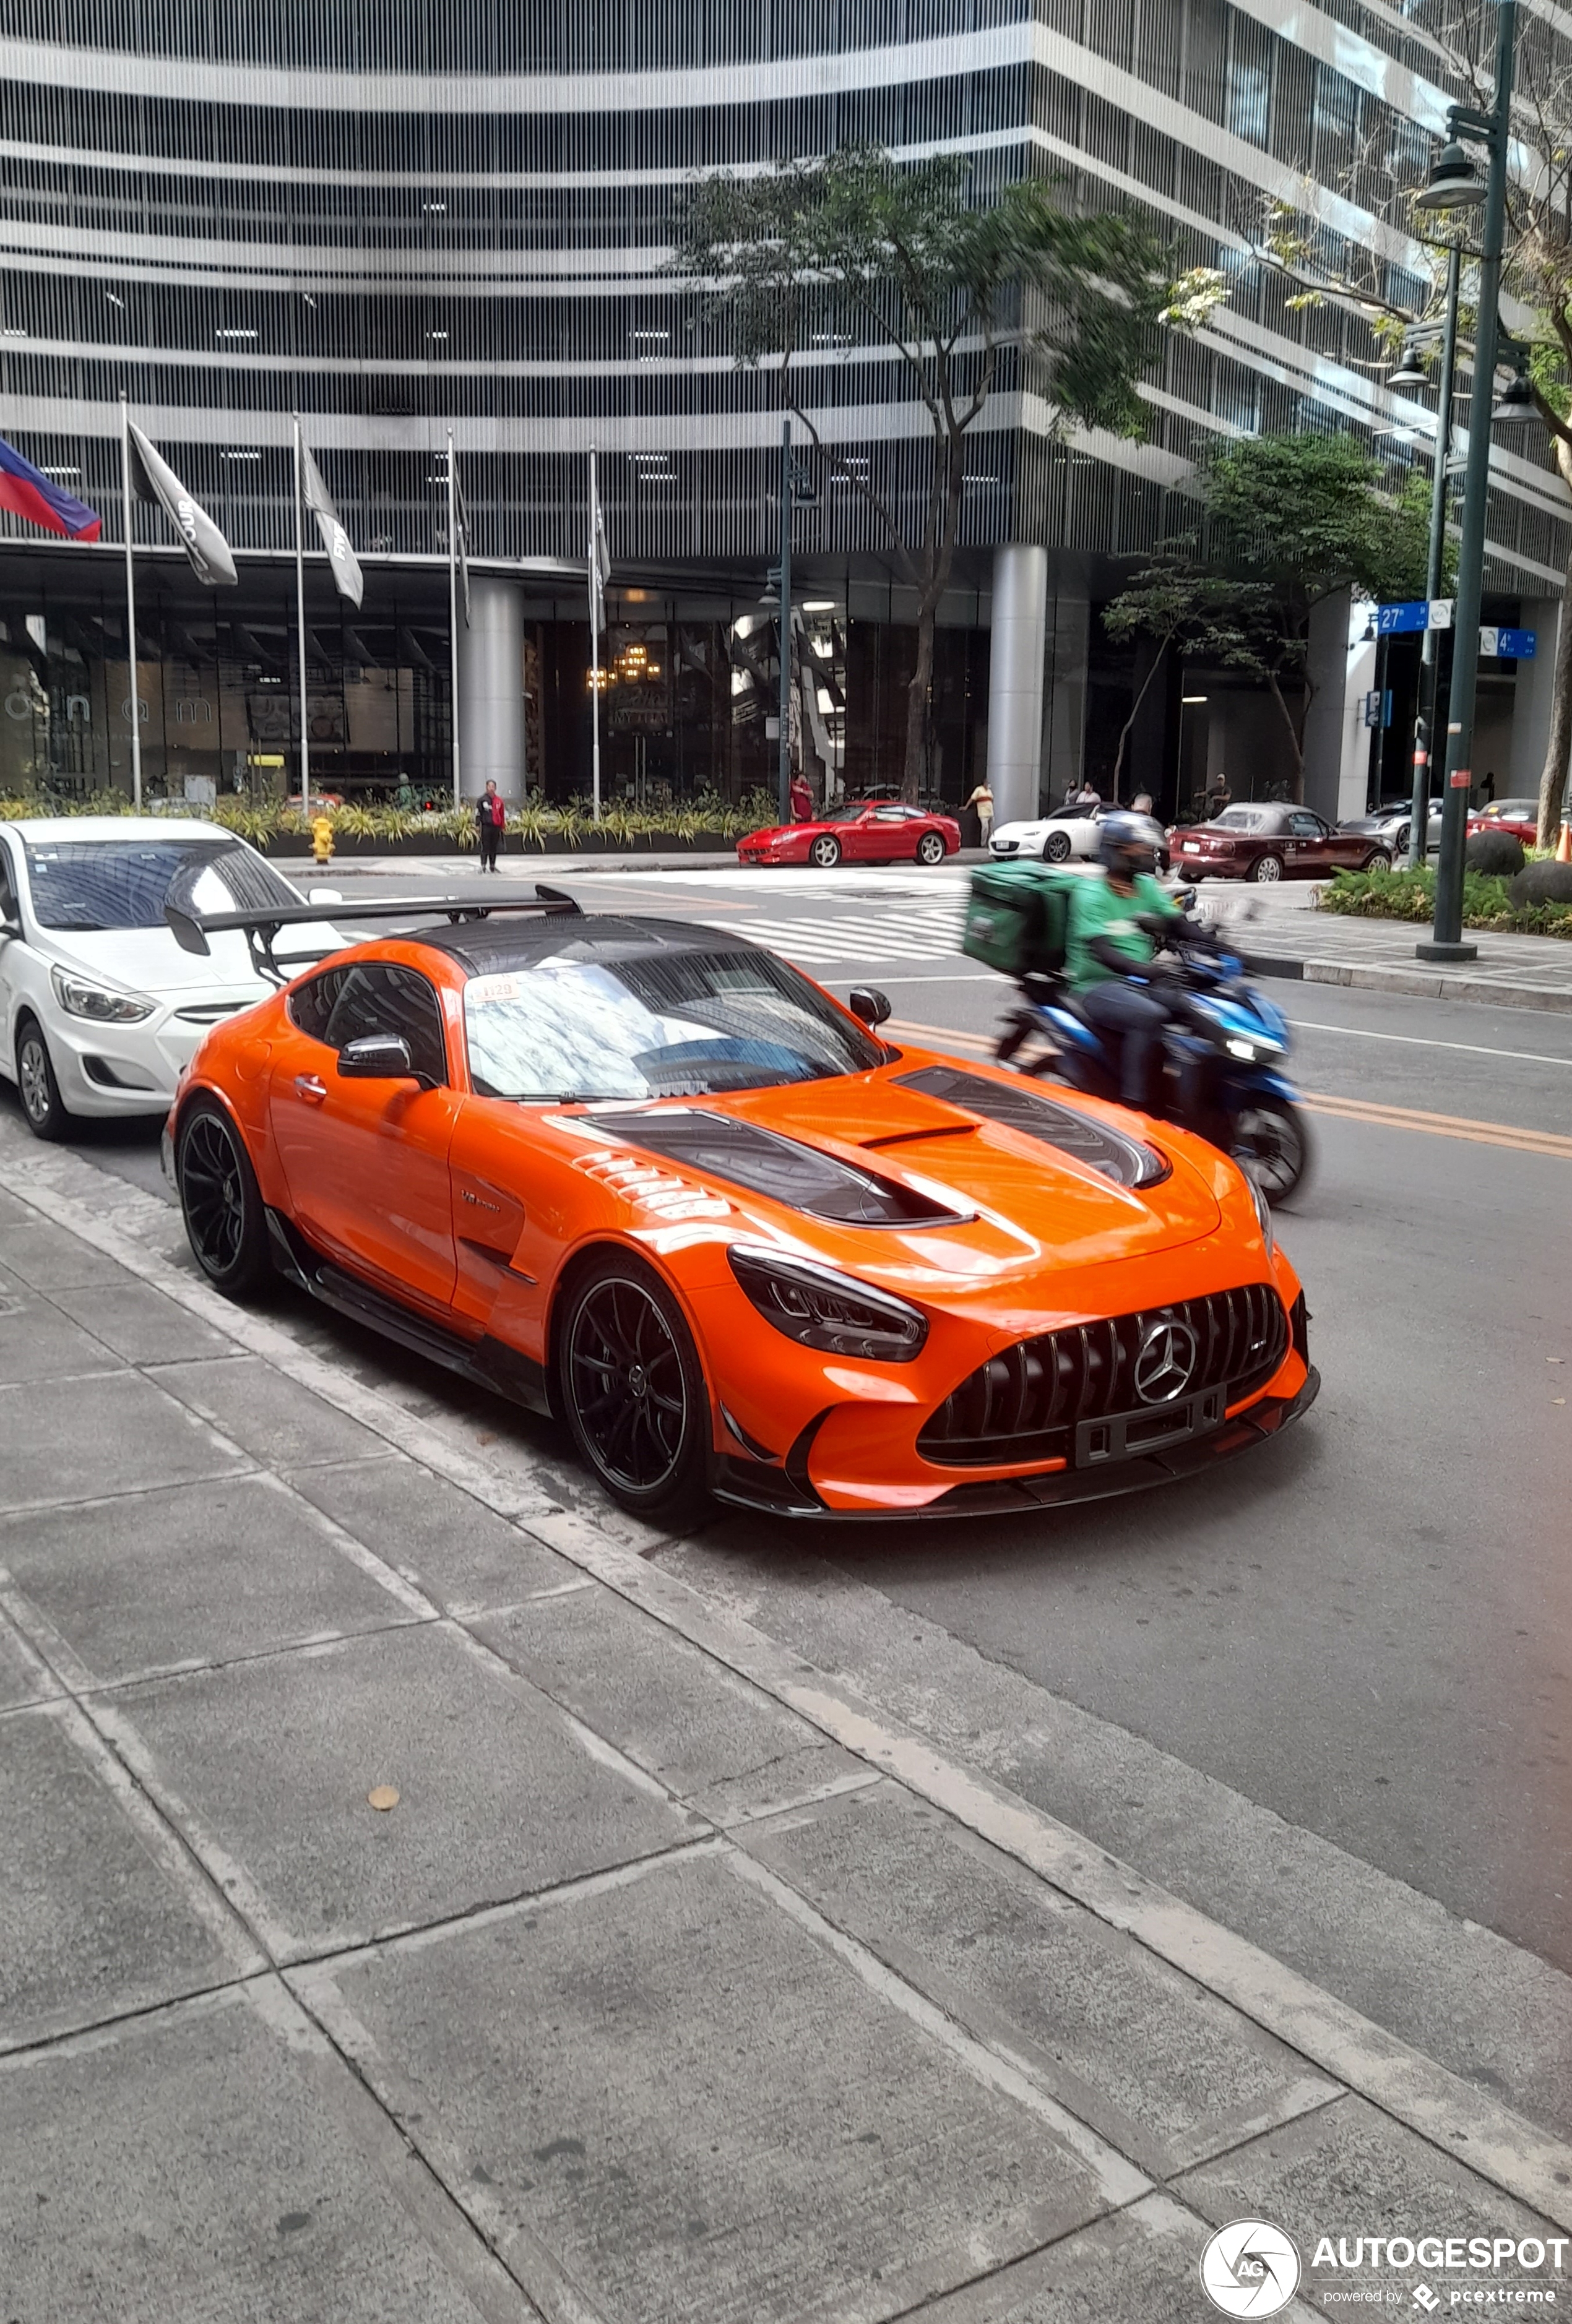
[(650, 1180)]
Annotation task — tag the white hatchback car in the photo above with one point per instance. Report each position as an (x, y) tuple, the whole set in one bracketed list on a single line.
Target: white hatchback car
[(100, 1006)]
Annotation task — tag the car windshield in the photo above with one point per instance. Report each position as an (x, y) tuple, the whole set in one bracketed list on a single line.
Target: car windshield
[(676, 1024), (122, 883), (849, 811), (1520, 810)]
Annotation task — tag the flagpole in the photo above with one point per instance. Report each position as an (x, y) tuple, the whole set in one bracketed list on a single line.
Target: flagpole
[(594, 608), (131, 608), (300, 625), (453, 618)]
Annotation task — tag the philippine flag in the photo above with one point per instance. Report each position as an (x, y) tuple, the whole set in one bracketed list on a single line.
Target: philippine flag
[(29, 493)]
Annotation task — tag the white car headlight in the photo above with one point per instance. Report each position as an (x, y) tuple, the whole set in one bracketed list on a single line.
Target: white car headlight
[(1263, 1212), (79, 996)]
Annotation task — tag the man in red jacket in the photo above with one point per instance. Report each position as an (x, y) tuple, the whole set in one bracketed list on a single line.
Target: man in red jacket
[(491, 820)]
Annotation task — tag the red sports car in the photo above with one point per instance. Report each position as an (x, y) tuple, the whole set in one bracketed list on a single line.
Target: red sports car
[(862, 831), (1520, 817), (1263, 841)]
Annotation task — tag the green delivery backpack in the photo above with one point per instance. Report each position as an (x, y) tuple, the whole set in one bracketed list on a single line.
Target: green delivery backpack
[(1017, 919)]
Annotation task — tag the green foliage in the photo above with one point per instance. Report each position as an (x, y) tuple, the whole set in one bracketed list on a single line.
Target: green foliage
[(533, 822), (1308, 515), (1401, 895)]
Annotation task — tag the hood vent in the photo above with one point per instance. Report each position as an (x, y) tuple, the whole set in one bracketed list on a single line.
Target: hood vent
[(1126, 1160), (802, 1178)]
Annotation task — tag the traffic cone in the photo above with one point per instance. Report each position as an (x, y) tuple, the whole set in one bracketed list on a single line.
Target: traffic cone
[(1564, 845)]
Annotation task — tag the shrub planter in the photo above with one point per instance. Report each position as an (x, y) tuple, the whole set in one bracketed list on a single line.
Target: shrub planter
[(591, 842)]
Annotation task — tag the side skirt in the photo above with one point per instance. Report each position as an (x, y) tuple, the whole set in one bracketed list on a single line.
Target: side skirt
[(489, 1362)]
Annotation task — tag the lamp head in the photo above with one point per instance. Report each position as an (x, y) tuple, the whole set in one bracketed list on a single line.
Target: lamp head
[(1515, 405), (1408, 371), (1454, 183)]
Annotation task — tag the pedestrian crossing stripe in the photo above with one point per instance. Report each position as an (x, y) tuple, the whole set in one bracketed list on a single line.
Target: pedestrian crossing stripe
[(931, 934)]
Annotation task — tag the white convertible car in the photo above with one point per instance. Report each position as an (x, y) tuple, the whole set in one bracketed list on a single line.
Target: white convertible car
[(1068, 831), (100, 1006)]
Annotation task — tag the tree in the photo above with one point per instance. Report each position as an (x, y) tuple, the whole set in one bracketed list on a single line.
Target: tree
[(855, 251), (1286, 522), (1216, 620)]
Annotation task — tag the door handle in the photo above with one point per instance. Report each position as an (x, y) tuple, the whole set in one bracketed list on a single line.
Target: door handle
[(311, 1088)]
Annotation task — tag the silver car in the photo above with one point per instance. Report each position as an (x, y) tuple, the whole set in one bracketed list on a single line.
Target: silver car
[(1389, 824)]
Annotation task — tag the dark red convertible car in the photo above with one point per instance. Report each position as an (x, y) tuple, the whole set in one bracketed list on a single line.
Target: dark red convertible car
[(1263, 842), (862, 831)]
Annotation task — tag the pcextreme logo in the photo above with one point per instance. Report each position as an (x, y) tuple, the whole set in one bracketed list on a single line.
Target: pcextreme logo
[(1250, 2268)]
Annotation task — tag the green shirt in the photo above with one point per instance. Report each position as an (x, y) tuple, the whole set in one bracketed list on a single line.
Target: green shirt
[(1097, 909)]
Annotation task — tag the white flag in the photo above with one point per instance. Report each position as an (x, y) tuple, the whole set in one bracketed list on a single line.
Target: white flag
[(600, 556), (154, 479), (347, 578)]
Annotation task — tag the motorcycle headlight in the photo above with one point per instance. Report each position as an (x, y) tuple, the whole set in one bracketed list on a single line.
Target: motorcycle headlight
[(821, 1309), (1244, 1051), (1262, 1214), (79, 996)]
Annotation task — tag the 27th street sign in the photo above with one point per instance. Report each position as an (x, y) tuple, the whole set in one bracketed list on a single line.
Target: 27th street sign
[(1436, 613)]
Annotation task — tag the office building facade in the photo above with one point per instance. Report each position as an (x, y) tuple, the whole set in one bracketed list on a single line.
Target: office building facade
[(400, 221)]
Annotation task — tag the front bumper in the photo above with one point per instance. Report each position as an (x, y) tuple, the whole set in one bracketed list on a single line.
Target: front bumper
[(786, 1490)]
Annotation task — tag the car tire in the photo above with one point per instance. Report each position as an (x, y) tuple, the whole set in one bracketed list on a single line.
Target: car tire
[(1055, 847), (633, 1389), (1378, 860), (1272, 1144), (1399, 845), (43, 1108), (1265, 870), (221, 1202), (930, 848), (825, 851)]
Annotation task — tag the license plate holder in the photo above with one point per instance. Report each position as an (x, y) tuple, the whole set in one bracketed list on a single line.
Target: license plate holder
[(1130, 1435)]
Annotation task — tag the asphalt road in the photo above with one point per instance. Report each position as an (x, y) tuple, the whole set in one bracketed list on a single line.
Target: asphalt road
[(1365, 1628)]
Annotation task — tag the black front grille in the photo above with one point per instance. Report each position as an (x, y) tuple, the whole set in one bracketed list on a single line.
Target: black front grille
[(1027, 1402)]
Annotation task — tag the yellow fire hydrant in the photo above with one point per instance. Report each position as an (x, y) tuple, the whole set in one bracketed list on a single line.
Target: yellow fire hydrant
[(322, 838)]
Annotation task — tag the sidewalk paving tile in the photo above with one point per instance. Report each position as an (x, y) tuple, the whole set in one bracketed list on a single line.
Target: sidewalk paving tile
[(700, 2112), (1163, 2070), (196, 1573), (197, 2166), (456, 1550), (274, 1418), (1138, 2267), (707, 1735), (1351, 2171), (140, 1324), (50, 1259), (90, 1925), (37, 1342), (114, 1432), (497, 1796)]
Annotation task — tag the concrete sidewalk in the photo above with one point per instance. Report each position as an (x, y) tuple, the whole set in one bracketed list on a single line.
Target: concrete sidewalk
[(1283, 935), (680, 1980)]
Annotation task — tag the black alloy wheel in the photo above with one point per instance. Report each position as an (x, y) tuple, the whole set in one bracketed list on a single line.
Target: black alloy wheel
[(930, 848), (1265, 870), (1272, 1144), (226, 1224), (633, 1387), (1055, 847), (825, 851), (43, 1107)]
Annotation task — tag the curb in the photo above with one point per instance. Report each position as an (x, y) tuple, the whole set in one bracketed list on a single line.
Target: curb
[(1418, 982)]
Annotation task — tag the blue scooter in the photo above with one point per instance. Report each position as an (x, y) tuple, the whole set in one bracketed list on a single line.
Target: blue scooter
[(1221, 1057)]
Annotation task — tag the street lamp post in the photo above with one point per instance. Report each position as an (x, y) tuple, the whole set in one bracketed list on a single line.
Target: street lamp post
[(1429, 680), (1452, 184)]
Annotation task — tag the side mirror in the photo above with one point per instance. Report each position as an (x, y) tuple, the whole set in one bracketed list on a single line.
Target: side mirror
[(869, 1003), (376, 1058)]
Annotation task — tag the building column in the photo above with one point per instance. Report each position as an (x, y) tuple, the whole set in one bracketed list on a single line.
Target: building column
[(1340, 665), (491, 689), (1532, 694), (1019, 608)]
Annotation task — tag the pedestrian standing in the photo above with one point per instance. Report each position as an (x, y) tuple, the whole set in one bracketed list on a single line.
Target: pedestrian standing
[(490, 822), (982, 798), (801, 797)]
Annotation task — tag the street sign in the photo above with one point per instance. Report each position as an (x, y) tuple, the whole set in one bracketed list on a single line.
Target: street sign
[(1511, 645), (1378, 708), (1391, 621)]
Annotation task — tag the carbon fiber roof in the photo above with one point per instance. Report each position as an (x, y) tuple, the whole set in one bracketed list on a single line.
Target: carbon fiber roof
[(488, 947)]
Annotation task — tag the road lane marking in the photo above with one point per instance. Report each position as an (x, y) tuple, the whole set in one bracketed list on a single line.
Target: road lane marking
[(1419, 1041)]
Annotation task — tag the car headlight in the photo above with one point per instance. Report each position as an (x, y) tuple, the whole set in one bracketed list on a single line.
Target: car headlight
[(1263, 1212), (825, 1310), (79, 996)]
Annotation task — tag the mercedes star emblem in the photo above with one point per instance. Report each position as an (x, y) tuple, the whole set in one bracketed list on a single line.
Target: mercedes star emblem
[(1164, 1361)]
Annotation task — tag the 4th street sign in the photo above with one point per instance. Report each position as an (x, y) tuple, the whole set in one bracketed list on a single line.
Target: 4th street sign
[(1436, 613)]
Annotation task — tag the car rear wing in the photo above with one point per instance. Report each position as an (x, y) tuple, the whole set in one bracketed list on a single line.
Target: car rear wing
[(262, 924)]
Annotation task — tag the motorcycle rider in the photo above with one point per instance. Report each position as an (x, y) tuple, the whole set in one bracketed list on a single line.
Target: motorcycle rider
[(1116, 923)]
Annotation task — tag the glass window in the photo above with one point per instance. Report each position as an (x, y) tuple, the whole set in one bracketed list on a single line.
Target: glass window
[(1307, 827), (7, 885), (124, 883), (310, 1004), (1241, 818), (380, 997), (674, 1025)]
